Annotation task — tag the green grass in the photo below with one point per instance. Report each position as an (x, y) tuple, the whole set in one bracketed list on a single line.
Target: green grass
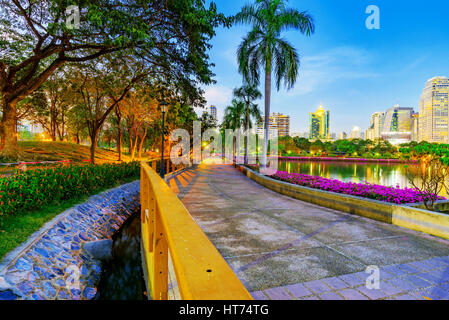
[(14, 230), (53, 151)]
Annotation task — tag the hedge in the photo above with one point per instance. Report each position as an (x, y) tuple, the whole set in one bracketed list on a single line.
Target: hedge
[(33, 189)]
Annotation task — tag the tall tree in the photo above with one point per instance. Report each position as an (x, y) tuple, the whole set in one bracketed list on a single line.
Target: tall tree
[(53, 115), (248, 94), (234, 119), (35, 40), (99, 88), (264, 48)]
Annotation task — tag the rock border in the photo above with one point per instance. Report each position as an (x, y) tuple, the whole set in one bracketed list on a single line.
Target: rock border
[(52, 264)]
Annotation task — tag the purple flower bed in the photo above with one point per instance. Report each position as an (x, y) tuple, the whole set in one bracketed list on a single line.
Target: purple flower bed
[(364, 190), (346, 159)]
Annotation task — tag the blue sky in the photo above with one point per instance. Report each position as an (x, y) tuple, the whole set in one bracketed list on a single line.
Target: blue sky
[(351, 70)]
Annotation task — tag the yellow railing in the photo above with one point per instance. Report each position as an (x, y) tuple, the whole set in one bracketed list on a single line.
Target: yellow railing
[(201, 272)]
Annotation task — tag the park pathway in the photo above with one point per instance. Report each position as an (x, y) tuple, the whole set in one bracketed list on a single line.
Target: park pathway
[(283, 248)]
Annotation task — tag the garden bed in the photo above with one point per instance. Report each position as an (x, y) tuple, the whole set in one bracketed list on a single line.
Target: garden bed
[(364, 190), (35, 188)]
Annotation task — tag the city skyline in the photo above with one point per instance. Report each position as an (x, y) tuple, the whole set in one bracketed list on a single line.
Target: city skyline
[(352, 70)]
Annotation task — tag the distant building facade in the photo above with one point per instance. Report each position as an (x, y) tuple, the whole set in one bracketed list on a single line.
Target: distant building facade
[(376, 123), (355, 133), (433, 111), (397, 125), (213, 112), (278, 123), (342, 135), (319, 124)]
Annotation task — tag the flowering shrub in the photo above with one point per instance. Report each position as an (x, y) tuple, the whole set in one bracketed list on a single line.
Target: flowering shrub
[(35, 188), (365, 190)]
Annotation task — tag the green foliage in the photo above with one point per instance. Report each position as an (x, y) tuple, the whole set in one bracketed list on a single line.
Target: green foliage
[(36, 188), (348, 148), (264, 47), (425, 149)]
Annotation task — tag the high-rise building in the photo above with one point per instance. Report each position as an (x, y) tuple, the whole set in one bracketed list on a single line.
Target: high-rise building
[(319, 124), (415, 127), (213, 112), (277, 123), (342, 135), (355, 133), (433, 111), (397, 125)]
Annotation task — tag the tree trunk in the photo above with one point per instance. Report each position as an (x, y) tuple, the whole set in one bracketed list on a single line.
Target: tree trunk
[(8, 130), (267, 114), (247, 135), (93, 145), (119, 136)]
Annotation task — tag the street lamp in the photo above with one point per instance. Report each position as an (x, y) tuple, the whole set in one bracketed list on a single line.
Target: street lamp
[(164, 110)]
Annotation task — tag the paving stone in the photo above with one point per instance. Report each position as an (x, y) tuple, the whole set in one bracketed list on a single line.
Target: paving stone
[(439, 292), (390, 289), (298, 290), (258, 295), (396, 270), (402, 284), (373, 294), (416, 281), (352, 294), (277, 294), (430, 278), (352, 280), (405, 297), (330, 296), (310, 298), (336, 283), (408, 268), (317, 286)]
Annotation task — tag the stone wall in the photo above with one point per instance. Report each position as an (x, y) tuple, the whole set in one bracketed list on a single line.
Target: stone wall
[(52, 263)]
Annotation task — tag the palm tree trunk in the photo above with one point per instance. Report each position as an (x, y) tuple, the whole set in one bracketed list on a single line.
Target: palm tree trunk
[(267, 114), (246, 134), (238, 146)]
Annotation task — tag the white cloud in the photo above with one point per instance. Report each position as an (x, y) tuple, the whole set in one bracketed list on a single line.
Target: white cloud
[(218, 95), (341, 63)]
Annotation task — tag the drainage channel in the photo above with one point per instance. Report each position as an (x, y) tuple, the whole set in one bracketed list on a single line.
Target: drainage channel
[(122, 276)]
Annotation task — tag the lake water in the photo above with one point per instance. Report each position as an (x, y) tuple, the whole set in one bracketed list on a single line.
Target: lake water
[(394, 174)]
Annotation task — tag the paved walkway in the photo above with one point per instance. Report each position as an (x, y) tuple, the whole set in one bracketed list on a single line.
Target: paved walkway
[(283, 248)]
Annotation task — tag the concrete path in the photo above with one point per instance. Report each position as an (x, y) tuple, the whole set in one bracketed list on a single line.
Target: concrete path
[(283, 248)]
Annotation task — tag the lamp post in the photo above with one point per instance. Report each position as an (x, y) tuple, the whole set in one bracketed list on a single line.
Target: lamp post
[(164, 110)]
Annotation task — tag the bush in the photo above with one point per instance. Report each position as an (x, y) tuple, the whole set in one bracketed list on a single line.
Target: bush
[(35, 188), (364, 190)]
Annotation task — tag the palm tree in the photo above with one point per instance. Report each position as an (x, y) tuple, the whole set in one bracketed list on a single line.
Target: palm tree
[(233, 119), (263, 47), (248, 93)]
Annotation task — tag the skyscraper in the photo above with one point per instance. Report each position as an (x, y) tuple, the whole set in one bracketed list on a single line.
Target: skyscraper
[(319, 124), (277, 122), (433, 111), (397, 125), (213, 112), (375, 128), (355, 133)]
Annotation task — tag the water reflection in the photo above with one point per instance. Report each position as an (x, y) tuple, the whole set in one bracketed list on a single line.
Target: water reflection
[(385, 174)]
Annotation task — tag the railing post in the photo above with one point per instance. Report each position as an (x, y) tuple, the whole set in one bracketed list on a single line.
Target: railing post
[(153, 165), (160, 266)]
